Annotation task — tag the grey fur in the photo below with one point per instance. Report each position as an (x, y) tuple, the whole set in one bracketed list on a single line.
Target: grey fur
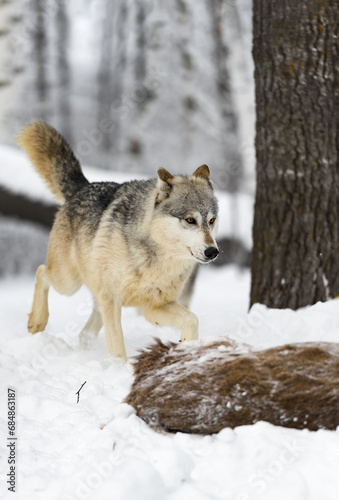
[(127, 205)]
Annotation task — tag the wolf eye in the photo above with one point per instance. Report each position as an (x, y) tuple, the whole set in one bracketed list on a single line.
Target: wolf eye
[(190, 220), (212, 221)]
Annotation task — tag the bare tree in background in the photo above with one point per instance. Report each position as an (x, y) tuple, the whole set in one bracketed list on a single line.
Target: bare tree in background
[(296, 224), (106, 74), (132, 85), (5, 76), (40, 55), (233, 160), (63, 65), (9, 66)]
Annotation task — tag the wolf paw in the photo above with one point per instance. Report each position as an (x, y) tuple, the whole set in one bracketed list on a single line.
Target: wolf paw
[(35, 326)]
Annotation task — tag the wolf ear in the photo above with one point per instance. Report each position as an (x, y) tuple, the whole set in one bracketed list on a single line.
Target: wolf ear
[(164, 176), (203, 172), (164, 185)]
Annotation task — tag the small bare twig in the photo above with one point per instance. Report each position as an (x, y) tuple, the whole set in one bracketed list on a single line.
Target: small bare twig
[(78, 392)]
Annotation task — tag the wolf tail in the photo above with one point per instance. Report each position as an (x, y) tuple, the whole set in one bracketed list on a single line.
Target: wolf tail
[(53, 159)]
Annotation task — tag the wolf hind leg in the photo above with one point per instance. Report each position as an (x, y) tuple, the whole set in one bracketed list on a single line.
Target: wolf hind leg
[(92, 328), (37, 319), (176, 316)]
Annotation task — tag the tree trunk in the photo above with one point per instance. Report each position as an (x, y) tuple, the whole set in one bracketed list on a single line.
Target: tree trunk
[(295, 258), (40, 52), (106, 76), (233, 162), (8, 64), (63, 70)]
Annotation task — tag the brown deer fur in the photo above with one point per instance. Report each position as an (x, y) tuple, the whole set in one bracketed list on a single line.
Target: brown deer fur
[(202, 387)]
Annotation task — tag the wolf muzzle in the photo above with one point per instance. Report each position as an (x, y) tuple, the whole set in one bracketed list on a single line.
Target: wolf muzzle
[(211, 253)]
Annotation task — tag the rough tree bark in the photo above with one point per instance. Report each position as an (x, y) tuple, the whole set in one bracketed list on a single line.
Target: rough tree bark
[(295, 258)]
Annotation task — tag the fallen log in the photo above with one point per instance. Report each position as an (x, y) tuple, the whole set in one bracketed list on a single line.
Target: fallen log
[(25, 208), (202, 387)]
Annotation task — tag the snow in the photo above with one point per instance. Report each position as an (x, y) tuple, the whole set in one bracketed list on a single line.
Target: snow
[(99, 449)]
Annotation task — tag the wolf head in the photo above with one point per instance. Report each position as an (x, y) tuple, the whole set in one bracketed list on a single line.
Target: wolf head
[(185, 218)]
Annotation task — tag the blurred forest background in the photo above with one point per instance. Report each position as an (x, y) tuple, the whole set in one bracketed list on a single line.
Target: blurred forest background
[(132, 85)]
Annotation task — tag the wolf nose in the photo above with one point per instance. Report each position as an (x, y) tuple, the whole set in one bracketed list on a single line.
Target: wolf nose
[(211, 253)]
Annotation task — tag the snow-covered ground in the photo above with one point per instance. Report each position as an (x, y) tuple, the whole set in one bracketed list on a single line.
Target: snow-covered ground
[(99, 449)]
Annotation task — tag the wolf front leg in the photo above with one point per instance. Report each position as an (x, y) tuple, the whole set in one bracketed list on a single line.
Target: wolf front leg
[(176, 316), (37, 319), (110, 309)]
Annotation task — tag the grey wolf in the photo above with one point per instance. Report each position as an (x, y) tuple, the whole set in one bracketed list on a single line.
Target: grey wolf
[(206, 386), (132, 244)]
